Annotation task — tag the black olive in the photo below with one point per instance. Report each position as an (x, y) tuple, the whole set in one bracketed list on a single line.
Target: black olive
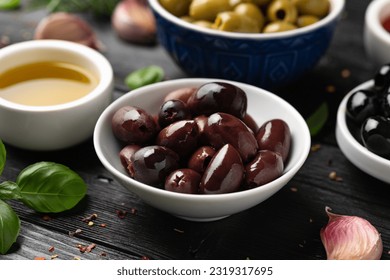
[(375, 133), (382, 78), (362, 104)]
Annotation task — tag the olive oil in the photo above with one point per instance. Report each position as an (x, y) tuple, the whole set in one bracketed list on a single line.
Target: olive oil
[(46, 83)]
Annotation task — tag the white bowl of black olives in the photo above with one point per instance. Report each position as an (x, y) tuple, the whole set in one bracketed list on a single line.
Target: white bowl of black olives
[(202, 149), (363, 125)]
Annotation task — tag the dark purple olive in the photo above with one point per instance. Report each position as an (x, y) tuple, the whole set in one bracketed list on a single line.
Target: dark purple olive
[(126, 153), (201, 158), (385, 105), (172, 111), (362, 104), (218, 97), (222, 128), (375, 134), (275, 135), (133, 125), (201, 121), (251, 123), (264, 168), (382, 78), (152, 164), (224, 173), (183, 180), (182, 94), (181, 137)]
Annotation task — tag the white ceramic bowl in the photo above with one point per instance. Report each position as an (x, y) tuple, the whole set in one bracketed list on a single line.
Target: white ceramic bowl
[(359, 155), (376, 38), (45, 128), (262, 106)]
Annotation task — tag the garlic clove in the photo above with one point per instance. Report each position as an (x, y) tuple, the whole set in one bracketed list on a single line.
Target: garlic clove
[(350, 238), (68, 27), (133, 21)]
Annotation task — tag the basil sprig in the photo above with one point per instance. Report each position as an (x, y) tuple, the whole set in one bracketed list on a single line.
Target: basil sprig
[(46, 187), (9, 227), (9, 4), (50, 187), (144, 76)]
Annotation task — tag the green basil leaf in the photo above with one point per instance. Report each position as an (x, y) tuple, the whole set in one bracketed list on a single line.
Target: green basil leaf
[(9, 190), (9, 4), (50, 187), (3, 155), (144, 76), (318, 119), (9, 227)]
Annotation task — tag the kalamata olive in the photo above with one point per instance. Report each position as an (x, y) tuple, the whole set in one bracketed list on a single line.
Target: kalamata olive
[(182, 94), (181, 137), (172, 111), (126, 153), (375, 134), (224, 173), (251, 123), (362, 104), (264, 168), (201, 158), (218, 97), (133, 125), (201, 121), (222, 128), (152, 164), (183, 180), (274, 135), (382, 78), (385, 105)]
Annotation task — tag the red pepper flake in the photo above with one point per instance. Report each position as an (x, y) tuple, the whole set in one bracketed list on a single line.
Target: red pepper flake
[(90, 247), (133, 211), (51, 249), (293, 189), (331, 89), (46, 218), (345, 73), (39, 258), (90, 218), (103, 254), (103, 225), (333, 176), (121, 213), (145, 258)]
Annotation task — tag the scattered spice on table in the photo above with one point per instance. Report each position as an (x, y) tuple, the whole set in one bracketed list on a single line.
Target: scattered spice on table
[(103, 225), (293, 189), (345, 73), (121, 213), (90, 223), (53, 257), (89, 218), (103, 254), (51, 249), (330, 89), (75, 233), (133, 211), (46, 218), (333, 176), (315, 147), (178, 230), (76, 258), (39, 258), (86, 249)]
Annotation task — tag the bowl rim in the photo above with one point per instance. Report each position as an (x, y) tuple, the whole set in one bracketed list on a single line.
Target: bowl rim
[(373, 16), (275, 184), (337, 7), (342, 126), (103, 67)]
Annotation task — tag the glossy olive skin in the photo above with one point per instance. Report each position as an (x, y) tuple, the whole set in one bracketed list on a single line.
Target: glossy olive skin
[(252, 11), (181, 137), (251, 123), (222, 128), (126, 153), (362, 104), (274, 135), (282, 10), (208, 9), (172, 111), (224, 174), (375, 133), (279, 26), (306, 20), (183, 180), (201, 158), (319, 8), (133, 125), (182, 94), (235, 22), (382, 78), (218, 97), (385, 105), (152, 164), (264, 168), (175, 7)]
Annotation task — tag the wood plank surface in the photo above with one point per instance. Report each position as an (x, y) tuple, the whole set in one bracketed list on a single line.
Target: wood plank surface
[(286, 226)]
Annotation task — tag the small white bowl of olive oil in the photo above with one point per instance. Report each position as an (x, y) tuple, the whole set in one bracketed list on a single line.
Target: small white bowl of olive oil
[(51, 93)]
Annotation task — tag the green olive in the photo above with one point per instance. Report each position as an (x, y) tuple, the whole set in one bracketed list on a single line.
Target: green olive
[(203, 23), (306, 20), (187, 18), (261, 2), (233, 22), (278, 26), (252, 11), (208, 9), (176, 7), (319, 8), (282, 10)]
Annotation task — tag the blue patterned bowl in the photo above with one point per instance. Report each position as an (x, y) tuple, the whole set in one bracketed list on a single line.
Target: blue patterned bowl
[(264, 60)]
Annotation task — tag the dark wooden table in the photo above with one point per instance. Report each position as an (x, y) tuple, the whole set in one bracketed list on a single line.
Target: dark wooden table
[(286, 226)]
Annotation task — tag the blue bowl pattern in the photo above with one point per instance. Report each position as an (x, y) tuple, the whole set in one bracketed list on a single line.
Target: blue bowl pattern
[(267, 63)]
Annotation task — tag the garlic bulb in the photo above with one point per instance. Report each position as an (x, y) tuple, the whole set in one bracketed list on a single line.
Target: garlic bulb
[(134, 22), (350, 238), (68, 27)]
